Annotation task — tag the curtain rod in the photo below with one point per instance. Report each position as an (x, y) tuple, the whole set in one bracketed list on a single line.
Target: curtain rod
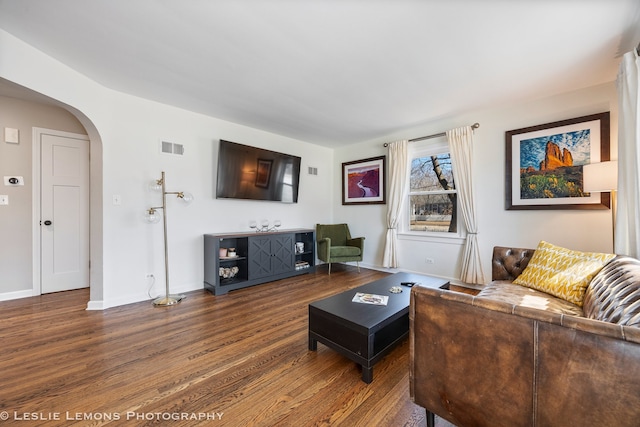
[(436, 135)]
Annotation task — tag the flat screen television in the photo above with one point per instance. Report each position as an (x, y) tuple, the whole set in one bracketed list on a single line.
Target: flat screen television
[(246, 172)]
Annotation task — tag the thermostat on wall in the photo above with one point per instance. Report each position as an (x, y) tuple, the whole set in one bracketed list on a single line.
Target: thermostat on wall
[(13, 181), (12, 135)]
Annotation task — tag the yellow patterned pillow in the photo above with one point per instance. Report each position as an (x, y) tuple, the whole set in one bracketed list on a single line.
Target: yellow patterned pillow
[(562, 272)]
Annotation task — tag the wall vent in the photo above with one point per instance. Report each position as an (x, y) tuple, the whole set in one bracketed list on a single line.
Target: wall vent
[(313, 171), (171, 148), (167, 147)]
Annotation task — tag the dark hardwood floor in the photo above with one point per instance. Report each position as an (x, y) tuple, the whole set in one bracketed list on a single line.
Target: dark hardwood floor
[(239, 359)]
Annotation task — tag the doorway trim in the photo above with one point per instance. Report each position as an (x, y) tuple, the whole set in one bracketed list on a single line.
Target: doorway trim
[(36, 176)]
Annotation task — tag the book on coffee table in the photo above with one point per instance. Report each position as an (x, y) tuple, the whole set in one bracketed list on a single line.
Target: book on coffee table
[(370, 298)]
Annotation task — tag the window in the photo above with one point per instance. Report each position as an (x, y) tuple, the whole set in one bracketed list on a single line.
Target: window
[(433, 200)]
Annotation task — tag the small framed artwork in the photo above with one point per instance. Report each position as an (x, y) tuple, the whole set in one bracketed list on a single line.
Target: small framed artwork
[(263, 173), (364, 181), (544, 164)]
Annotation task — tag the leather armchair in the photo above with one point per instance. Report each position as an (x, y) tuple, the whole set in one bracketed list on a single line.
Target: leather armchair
[(335, 244)]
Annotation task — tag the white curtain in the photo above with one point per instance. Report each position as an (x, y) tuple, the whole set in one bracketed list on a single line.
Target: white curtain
[(461, 147), (398, 172), (627, 236)]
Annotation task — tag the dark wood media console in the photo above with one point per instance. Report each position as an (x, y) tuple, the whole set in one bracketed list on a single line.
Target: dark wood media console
[(260, 257)]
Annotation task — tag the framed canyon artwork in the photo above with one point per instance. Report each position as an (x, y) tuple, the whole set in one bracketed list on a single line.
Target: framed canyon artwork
[(544, 164), (363, 181)]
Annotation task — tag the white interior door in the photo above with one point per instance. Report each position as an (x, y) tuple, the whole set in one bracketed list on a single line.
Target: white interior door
[(64, 211)]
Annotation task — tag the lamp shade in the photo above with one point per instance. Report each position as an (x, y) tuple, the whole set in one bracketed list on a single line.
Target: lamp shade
[(600, 177)]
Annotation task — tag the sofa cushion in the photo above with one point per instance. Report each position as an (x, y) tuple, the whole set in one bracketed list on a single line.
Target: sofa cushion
[(526, 297), (614, 293), (342, 251), (562, 272)]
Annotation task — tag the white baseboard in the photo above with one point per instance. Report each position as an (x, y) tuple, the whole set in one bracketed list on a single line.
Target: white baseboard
[(102, 304), (364, 265), (95, 305), (378, 268), (6, 296), (140, 297), (402, 270)]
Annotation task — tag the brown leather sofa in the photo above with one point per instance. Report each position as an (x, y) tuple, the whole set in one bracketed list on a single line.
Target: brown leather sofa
[(512, 356)]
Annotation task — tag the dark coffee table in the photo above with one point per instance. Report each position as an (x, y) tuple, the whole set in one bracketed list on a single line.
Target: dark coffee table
[(365, 333)]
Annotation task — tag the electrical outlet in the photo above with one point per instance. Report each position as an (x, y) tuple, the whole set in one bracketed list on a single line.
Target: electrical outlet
[(430, 261)]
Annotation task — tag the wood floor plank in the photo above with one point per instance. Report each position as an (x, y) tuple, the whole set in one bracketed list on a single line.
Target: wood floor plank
[(243, 355)]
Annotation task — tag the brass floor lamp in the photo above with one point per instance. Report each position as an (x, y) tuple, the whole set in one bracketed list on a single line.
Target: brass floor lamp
[(603, 178), (153, 217)]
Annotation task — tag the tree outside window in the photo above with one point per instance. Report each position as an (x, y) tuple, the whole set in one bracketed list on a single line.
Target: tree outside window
[(432, 195)]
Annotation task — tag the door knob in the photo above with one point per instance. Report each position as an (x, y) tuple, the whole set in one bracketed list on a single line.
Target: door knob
[(47, 222)]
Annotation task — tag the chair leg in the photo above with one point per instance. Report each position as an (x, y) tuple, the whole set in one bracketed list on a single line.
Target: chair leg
[(358, 264), (329, 268)]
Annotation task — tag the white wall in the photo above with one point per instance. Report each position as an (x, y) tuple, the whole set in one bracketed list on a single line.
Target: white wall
[(125, 132), (588, 230), (132, 160)]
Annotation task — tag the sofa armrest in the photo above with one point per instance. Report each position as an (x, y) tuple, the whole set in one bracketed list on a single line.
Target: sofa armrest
[(466, 362), (478, 361)]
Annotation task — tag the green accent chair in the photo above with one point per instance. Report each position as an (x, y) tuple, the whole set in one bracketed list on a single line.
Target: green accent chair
[(336, 245)]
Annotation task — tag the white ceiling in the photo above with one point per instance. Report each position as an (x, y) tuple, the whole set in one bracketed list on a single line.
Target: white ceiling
[(333, 72)]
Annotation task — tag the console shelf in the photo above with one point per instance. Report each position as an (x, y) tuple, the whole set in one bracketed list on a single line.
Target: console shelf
[(261, 257)]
